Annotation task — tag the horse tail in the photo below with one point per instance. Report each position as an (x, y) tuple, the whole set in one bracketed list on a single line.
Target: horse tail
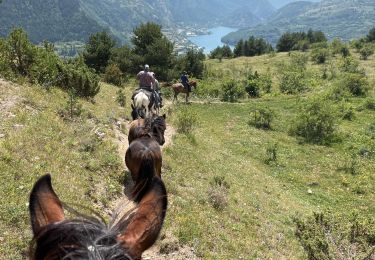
[(147, 172)]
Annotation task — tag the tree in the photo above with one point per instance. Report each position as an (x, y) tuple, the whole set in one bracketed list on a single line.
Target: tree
[(371, 35), (21, 53), (145, 35), (191, 62), (98, 51), (238, 50), (153, 48)]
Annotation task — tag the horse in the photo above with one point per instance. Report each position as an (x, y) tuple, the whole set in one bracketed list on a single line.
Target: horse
[(143, 106), (89, 238), (155, 125), (180, 88), (145, 138)]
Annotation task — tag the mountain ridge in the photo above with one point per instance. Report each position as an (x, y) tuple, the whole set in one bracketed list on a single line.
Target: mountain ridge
[(75, 20), (345, 19)]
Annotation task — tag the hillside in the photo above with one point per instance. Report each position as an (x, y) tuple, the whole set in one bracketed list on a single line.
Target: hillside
[(227, 195), (75, 20), (347, 19)]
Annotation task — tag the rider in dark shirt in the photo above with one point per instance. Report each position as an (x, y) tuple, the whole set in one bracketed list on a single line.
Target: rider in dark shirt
[(185, 81)]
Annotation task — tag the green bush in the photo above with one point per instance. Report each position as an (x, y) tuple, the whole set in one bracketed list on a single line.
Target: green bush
[(232, 91), (357, 84), (271, 153), (292, 82), (315, 123), (44, 70), (253, 85), (370, 103), (186, 119), (120, 98), (113, 75), (293, 74), (76, 75), (329, 236), (261, 118), (366, 51), (20, 53), (319, 55), (350, 65)]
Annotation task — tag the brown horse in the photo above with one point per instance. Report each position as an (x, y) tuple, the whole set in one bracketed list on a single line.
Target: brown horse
[(155, 125), (90, 238), (179, 88)]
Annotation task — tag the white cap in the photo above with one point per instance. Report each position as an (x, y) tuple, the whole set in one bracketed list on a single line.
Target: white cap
[(147, 67)]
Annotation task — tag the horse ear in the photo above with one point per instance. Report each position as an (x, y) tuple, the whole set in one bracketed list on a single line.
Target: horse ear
[(143, 228), (44, 205), (164, 116)]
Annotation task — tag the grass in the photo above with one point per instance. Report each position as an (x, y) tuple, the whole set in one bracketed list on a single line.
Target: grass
[(85, 169), (224, 199)]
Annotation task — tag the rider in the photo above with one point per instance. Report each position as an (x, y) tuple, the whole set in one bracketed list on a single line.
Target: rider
[(147, 82), (157, 91), (185, 81)]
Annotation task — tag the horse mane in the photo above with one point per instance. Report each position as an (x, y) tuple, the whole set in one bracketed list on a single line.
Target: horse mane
[(88, 237), (81, 238)]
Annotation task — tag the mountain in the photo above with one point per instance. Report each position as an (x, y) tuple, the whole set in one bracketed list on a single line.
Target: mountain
[(61, 20), (346, 19), (280, 3), (75, 20)]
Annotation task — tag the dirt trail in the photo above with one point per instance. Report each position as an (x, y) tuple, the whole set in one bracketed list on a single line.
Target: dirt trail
[(9, 97), (167, 247)]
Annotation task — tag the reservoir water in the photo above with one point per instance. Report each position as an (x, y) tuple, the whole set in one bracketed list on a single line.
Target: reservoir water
[(212, 40)]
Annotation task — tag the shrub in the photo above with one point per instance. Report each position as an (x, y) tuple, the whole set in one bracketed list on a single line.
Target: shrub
[(44, 70), (366, 51), (72, 108), (186, 120), (253, 85), (355, 83), (218, 193), (350, 65), (370, 103), (232, 91), (346, 111), (262, 118), (316, 123), (319, 55), (271, 153), (328, 236), (76, 75), (120, 98), (113, 75), (266, 82), (292, 82), (20, 53)]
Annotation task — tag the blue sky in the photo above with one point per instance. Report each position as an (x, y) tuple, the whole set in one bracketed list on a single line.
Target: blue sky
[(280, 3)]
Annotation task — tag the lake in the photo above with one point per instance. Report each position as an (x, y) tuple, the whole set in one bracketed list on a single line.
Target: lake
[(212, 40)]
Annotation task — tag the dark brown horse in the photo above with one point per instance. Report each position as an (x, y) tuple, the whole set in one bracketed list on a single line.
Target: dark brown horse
[(179, 88), (89, 238), (155, 126)]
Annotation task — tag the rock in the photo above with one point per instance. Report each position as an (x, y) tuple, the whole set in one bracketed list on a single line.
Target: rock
[(2, 135)]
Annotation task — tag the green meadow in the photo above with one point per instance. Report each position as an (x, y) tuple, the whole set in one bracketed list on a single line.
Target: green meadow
[(236, 191)]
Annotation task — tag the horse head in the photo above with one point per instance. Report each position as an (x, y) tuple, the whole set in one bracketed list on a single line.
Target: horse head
[(158, 127), (88, 238)]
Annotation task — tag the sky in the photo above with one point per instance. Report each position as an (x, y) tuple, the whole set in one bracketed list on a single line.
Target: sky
[(280, 3)]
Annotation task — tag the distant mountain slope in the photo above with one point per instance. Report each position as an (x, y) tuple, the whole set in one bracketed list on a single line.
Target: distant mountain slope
[(346, 19), (71, 20), (53, 20)]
